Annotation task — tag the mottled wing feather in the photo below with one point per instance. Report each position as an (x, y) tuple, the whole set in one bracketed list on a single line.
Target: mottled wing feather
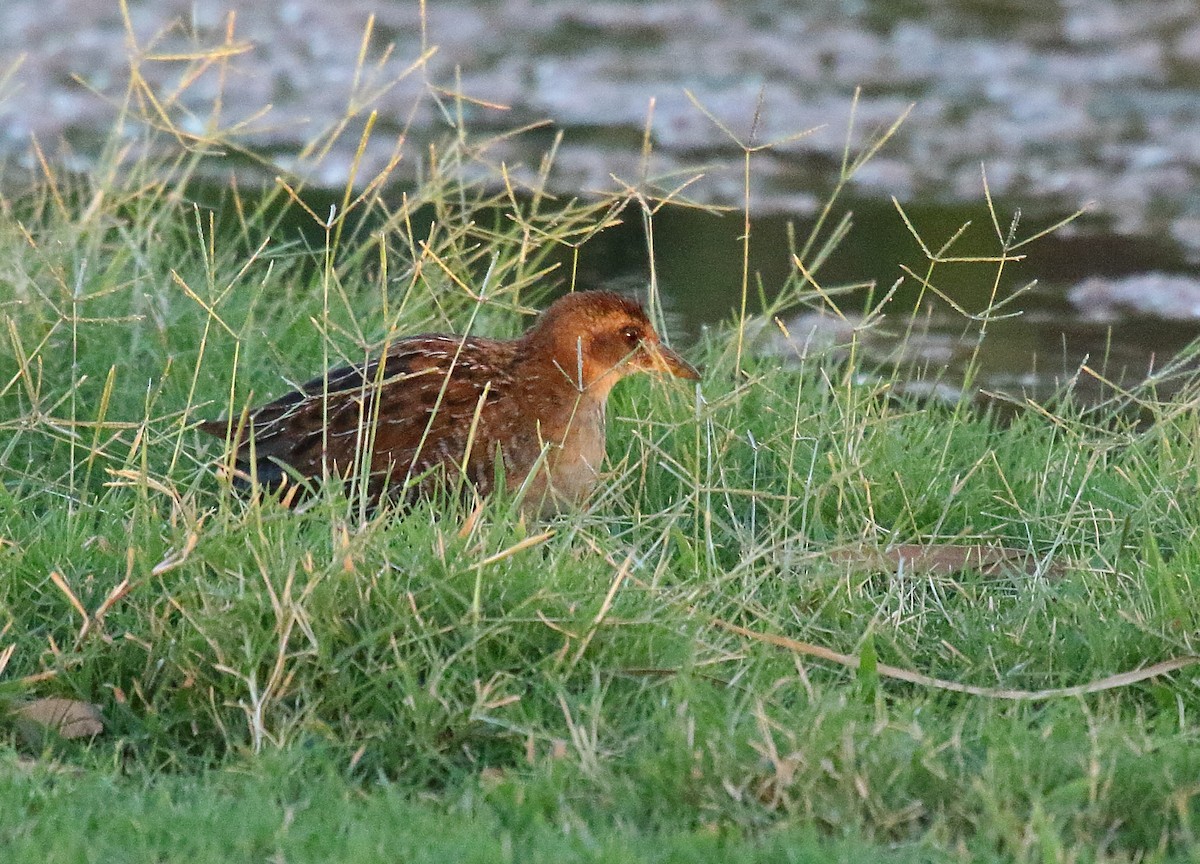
[(427, 423), (411, 410)]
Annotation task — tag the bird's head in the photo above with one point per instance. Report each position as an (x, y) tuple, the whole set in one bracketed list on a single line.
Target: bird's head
[(598, 337)]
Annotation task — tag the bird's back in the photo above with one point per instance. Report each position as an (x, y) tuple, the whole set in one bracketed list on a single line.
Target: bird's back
[(430, 408)]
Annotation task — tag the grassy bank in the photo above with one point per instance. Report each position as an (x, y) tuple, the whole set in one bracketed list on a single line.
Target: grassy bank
[(651, 678)]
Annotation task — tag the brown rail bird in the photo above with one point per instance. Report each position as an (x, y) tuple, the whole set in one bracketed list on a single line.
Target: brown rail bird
[(434, 411)]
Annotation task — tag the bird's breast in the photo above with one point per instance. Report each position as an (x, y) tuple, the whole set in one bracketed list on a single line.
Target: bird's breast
[(575, 466)]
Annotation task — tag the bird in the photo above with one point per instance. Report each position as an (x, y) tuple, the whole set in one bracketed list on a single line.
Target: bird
[(437, 412)]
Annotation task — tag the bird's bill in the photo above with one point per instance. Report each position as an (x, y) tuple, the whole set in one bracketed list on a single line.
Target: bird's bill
[(663, 359)]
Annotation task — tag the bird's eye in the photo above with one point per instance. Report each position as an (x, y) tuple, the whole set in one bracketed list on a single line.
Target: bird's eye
[(632, 335)]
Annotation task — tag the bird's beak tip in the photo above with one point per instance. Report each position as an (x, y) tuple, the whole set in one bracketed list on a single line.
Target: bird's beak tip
[(676, 365), (688, 372)]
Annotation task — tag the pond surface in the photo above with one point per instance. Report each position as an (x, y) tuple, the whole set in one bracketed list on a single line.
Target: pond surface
[(1063, 103)]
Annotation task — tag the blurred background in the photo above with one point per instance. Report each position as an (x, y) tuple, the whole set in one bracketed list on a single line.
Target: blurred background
[(1064, 103)]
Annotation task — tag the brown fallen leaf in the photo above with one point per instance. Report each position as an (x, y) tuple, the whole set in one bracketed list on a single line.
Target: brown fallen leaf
[(944, 559), (70, 718)]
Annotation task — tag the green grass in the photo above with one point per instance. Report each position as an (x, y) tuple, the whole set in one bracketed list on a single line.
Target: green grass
[(317, 685), (282, 811)]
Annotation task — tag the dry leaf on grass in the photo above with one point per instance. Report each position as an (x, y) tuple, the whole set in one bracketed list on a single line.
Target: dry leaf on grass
[(943, 559), (70, 718)]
